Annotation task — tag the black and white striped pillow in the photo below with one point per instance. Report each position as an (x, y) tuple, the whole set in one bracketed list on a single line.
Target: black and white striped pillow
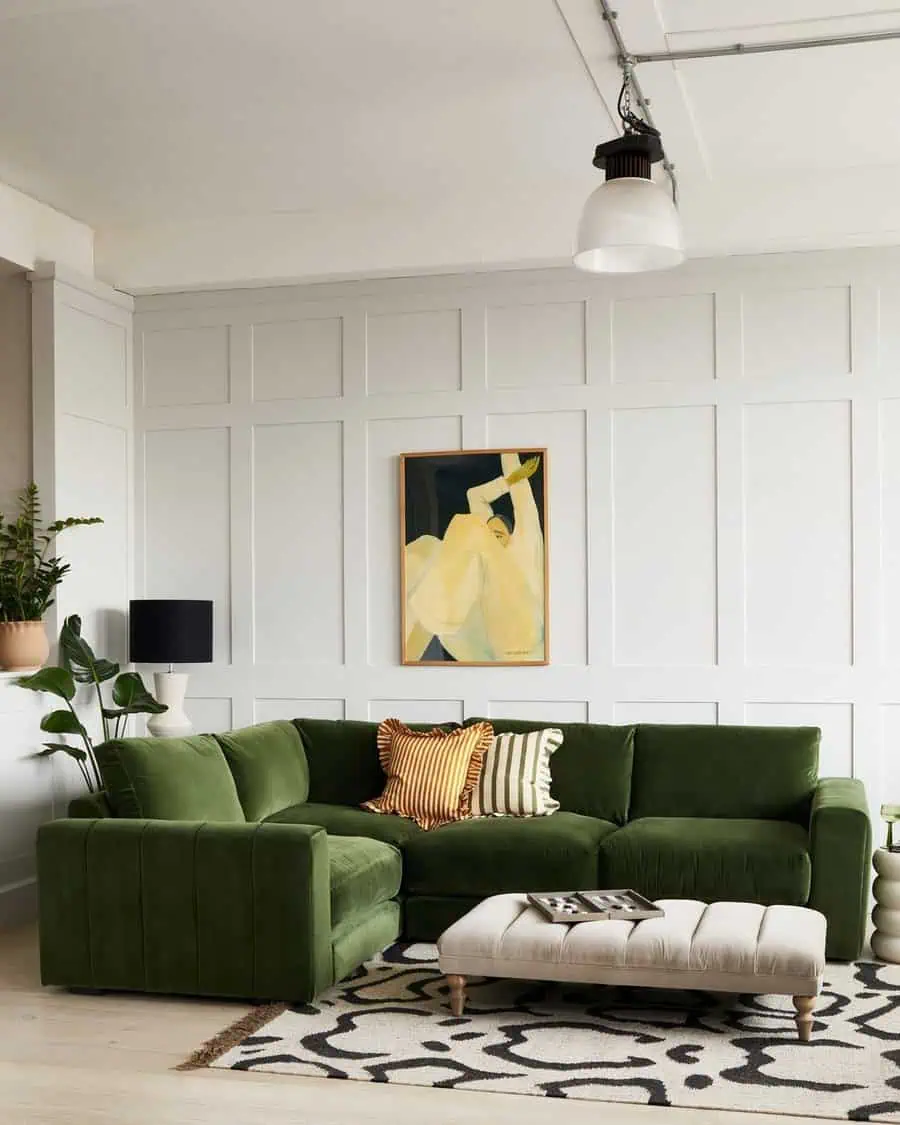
[(515, 776)]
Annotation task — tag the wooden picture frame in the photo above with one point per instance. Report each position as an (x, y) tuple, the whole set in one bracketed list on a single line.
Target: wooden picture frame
[(474, 558)]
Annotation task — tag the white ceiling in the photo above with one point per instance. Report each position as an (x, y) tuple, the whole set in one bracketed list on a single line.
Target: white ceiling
[(127, 112), (819, 109), (441, 133)]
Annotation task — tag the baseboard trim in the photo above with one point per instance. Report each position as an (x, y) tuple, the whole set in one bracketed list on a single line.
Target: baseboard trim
[(18, 904)]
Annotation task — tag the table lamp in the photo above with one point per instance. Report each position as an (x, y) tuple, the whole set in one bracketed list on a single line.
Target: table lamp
[(170, 631)]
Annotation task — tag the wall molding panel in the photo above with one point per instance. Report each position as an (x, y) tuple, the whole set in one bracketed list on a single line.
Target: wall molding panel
[(725, 506), (81, 379)]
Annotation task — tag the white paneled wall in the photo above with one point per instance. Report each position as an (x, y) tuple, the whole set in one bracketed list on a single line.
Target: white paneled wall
[(675, 494), (83, 456), (724, 490), (797, 515), (302, 552), (82, 386)]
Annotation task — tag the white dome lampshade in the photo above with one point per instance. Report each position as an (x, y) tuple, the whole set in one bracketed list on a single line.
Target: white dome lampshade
[(629, 224)]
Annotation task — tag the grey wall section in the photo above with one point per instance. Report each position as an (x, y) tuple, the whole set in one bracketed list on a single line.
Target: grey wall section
[(24, 784), (15, 386)]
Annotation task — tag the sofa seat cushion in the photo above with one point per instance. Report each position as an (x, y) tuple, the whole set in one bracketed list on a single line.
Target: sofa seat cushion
[(364, 873), (169, 779), (268, 765), (489, 855), (764, 861), (338, 820)]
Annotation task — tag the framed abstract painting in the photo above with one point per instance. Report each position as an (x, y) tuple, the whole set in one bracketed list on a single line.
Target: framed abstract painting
[(473, 562)]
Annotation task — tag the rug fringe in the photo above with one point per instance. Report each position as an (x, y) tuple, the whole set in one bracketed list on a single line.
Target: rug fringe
[(249, 1024)]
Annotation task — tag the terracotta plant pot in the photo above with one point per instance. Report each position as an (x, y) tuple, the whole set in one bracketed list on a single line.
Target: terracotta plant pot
[(23, 645)]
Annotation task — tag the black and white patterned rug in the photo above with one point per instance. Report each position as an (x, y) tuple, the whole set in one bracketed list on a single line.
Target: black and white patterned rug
[(391, 1023)]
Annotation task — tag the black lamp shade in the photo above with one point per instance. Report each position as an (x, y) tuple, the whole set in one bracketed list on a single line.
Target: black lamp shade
[(170, 631)]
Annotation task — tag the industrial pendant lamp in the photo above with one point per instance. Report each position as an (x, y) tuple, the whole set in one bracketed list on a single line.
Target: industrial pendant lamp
[(629, 224)]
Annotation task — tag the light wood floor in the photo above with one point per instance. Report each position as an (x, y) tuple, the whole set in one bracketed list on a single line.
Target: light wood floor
[(107, 1060)]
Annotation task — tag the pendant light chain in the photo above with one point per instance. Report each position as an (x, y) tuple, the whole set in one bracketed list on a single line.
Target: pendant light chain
[(634, 92), (624, 104), (631, 122)]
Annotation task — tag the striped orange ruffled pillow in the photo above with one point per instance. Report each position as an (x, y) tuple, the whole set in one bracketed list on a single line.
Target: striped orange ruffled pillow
[(430, 775)]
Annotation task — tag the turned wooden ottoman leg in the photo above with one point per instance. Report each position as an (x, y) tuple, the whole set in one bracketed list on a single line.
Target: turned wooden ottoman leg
[(804, 1016), (457, 993)]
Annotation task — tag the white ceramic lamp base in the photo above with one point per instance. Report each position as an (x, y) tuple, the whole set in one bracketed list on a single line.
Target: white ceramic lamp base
[(886, 915), (170, 689)]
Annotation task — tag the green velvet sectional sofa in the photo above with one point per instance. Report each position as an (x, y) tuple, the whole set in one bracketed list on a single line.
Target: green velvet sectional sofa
[(242, 865)]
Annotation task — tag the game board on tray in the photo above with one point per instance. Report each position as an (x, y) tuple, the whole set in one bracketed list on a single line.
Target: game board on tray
[(594, 906)]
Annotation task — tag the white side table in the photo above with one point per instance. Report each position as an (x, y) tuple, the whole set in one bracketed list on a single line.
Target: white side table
[(886, 915)]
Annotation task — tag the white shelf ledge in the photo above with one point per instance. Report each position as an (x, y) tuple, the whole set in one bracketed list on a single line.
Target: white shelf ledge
[(11, 677)]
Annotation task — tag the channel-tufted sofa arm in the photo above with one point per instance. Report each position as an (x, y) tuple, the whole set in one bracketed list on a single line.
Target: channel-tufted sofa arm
[(239, 910), (840, 844)]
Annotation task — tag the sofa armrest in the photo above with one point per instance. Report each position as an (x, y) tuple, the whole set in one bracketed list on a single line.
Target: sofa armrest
[(840, 841), (90, 806), (238, 910)]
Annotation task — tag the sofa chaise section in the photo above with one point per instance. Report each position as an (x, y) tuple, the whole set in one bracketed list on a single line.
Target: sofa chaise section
[(262, 911), (179, 890)]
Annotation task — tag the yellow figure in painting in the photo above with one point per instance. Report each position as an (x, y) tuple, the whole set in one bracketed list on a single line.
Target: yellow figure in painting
[(480, 589)]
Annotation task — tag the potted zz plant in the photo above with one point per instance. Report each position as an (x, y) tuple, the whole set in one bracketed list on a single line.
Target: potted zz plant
[(81, 666), (29, 575)]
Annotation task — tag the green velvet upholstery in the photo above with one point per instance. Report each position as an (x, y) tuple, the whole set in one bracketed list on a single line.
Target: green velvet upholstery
[(169, 779), (268, 765), (358, 938), (342, 755), (363, 873), (340, 820), (90, 805), (765, 773), (591, 770), (492, 855), (161, 884), (241, 910), (764, 861), (840, 835), (425, 917)]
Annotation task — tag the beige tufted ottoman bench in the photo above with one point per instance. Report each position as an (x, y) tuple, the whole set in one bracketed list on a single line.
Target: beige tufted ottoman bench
[(723, 947)]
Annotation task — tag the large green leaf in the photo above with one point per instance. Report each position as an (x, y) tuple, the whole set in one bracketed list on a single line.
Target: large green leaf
[(133, 698), (55, 681), (105, 670), (78, 656), (61, 722), (129, 689), (62, 748)]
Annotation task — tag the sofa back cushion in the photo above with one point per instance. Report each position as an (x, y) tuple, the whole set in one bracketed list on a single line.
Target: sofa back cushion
[(591, 771), (342, 755), (268, 765), (766, 773), (169, 779)]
